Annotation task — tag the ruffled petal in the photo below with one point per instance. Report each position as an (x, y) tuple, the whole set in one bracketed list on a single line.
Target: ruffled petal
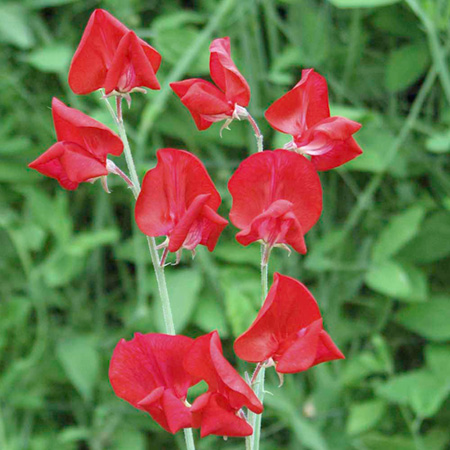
[(130, 67), (213, 415), (330, 143), (288, 308), (268, 176), (205, 360), (95, 53), (72, 125), (174, 199), (205, 102), (302, 107), (226, 75), (49, 164), (277, 225)]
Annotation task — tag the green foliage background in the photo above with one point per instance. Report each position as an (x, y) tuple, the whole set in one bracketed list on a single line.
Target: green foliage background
[(76, 277)]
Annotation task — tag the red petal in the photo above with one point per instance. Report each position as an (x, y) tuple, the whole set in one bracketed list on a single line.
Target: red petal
[(213, 414), (268, 176), (226, 75), (301, 107), (330, 142), (49, 164), (288, 308), (130, 67), (300, 355), (327, 350), (178, 235), (169, 190), (148, 362), (203, 100), (276, 225), (205, 360), (95, 53), (72, 125)]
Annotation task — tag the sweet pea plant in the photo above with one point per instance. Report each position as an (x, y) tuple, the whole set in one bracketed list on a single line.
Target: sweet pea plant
[(277, 199)]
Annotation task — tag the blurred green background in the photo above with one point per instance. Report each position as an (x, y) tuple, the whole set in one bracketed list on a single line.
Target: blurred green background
[(75, 275)]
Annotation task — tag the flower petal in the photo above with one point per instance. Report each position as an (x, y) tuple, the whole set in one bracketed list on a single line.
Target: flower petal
[(276, 225), (226, 75), (130, 67), (268, 176), (213, 415), (96, 51), (72, 125), (205, 102), (170, 197), (205, 360), (302, 107), (288, 308)]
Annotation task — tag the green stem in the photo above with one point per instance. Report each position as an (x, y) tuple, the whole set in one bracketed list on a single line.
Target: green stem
[(252, 441), (159, 270), (438, 53)]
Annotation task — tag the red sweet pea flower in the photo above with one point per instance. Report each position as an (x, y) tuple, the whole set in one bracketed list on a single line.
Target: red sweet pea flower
[(112, 57), (277, 198), (81, 150), (179, 200), (148, 373), (210, 103), (304, 113), (218, 410), (288, 330)]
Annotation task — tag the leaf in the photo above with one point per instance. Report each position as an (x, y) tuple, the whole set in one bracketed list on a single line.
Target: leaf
[(405, 66), (14, 26), (438, 142), (81, 362), (433, 241), (419, 389), (399, 231), (184, 287), (361, 366), (430, 320), (378, 441), (438, 361), (364, 416), (400, 281), (209, 316), (84, 243), (52, 58), (60, 268), (362, 3)]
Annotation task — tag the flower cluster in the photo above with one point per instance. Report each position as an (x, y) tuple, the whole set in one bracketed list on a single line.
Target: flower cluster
[(277, 199)]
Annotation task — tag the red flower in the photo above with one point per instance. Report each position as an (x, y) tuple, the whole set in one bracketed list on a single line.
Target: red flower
[(112, 57), (210, 103), (304, 113), (277, 198), (288, 329), (81, 150), (216, 411), (148, 373), (179, 200)]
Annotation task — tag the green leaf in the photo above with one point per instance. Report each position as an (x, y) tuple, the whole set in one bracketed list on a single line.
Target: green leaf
[(84, 243), (52, 58), (438, 361), (378, 441), (362, 3), (209, 315), (15, 26), (399, 231), (400, 281), (184, 287), (364, 416), (361, 366), (430, 320), (419, 389), (405, 66), (438, 142), (433, 241), (80, 360)]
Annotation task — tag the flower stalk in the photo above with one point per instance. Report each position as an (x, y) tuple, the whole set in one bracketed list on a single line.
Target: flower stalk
[(158, 267)]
